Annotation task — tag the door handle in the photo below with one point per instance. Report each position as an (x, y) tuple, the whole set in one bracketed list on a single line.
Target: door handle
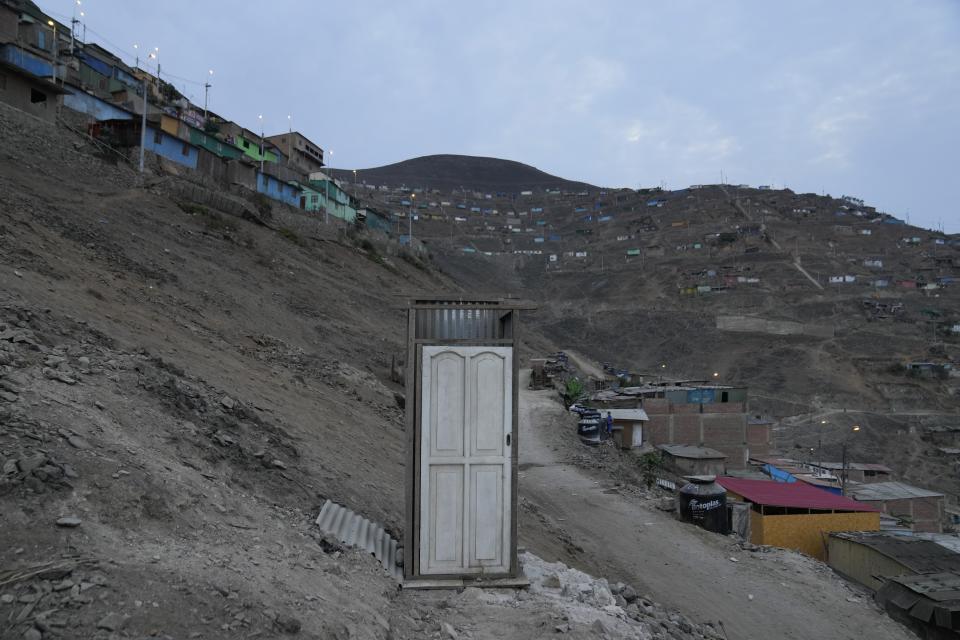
[(508, 439)]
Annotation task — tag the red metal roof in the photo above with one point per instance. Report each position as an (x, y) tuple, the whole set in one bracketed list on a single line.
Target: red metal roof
[(798, 495)]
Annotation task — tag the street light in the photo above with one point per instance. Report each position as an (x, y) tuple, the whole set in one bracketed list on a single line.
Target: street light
[(843, 461), (155, 54), (260, 118), (413, 206), (206, 94), (326, 197), (136, 47), (53, 25)]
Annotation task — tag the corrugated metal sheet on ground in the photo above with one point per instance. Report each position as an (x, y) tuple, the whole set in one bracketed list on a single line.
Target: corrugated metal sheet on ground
[(353, 529)]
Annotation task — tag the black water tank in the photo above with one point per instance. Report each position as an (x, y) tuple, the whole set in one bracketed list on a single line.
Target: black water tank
[(704, 503)]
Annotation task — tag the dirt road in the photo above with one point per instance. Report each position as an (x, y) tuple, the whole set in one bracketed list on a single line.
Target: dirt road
[(761, 595)]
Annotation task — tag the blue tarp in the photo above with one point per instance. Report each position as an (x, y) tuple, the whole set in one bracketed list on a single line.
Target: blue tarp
[(778, 474)]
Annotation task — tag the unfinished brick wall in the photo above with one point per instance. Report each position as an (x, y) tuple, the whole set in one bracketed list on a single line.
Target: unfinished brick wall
[(720, 426)]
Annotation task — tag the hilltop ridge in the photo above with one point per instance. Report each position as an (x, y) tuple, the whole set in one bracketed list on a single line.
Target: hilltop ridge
[(452, 172)]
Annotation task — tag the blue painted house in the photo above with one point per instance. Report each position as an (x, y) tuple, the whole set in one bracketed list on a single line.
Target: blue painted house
[(170, 147), (272, 187), (94, 107), (27, 61)]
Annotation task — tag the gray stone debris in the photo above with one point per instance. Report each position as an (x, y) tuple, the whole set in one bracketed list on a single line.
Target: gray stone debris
[(111, 622), (69, 522), (29, 464), (7, 396), (77, 442), (287, 624), (228, 402), (279, 464), (59, 376)]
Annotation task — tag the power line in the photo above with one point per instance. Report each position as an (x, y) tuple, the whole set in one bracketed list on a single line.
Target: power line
[(144, 60)]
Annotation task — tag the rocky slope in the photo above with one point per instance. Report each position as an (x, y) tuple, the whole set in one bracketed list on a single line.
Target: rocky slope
[(185, 377)]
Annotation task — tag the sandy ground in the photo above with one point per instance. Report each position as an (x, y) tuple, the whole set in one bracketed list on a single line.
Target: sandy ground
[(762, 595)]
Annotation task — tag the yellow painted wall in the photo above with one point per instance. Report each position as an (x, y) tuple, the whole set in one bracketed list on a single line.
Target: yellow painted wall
[(804, 532), (170, 125)]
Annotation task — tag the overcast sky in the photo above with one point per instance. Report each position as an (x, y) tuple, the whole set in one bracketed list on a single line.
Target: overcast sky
[(856, 97)]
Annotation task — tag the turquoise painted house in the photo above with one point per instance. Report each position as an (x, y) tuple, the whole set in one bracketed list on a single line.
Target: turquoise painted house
[(324, 195)]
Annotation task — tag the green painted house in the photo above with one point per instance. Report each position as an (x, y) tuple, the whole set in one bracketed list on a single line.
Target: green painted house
[(251, 147), (213, 144), (325, 195)]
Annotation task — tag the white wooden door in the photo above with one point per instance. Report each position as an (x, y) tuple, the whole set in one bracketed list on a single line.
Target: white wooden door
[(465, 428)]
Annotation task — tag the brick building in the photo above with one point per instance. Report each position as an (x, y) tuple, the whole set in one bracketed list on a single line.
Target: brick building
[(920, 509), (714, 417)]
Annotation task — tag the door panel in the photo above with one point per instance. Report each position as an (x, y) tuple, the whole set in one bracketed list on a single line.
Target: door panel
[(447, 404), (486, 511), (446, 516), (465, 458), (488, 432)]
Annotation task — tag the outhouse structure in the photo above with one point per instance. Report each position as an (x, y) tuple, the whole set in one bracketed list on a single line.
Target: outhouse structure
[(461, 411)]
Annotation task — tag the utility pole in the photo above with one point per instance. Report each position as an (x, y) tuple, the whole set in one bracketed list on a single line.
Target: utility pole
[(53, 25), (206, 96), (143, 123)]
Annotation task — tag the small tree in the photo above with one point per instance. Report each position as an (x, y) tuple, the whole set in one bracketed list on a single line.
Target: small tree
[(573, 390), (651, 463)]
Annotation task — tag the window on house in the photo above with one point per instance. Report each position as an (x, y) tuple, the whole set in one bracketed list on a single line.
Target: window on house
[(38, 97), (157, 137), (186, 150), (724, 396), (314, 199), (41, 39)]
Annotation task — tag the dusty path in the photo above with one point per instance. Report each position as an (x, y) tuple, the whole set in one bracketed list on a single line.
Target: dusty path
[(762, 595)]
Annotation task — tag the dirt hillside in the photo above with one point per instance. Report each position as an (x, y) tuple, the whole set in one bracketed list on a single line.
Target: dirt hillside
[(185, 377)]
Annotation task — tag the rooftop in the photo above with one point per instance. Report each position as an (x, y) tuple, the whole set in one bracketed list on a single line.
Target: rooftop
[(919, 555), (797, 495), (857, 466), (892, 491), (628, 414), (690, 451)]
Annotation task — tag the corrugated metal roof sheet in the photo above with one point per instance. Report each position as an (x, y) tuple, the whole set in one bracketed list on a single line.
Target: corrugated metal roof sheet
[(892, 491), (690, 451), (922, 556), (798, 495), (858, 466), (628, 414), (353, 529)]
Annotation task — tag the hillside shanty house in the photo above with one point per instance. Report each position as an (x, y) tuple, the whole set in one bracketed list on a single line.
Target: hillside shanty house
[(928, 603), (690, 460), (872, 557), (29, 93), (628, 426), (712, 416), (302, 154), (796, 515), (862, 472), (919, 509)]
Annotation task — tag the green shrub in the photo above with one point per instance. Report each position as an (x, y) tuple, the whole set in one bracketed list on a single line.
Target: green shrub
[(650, 463)]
